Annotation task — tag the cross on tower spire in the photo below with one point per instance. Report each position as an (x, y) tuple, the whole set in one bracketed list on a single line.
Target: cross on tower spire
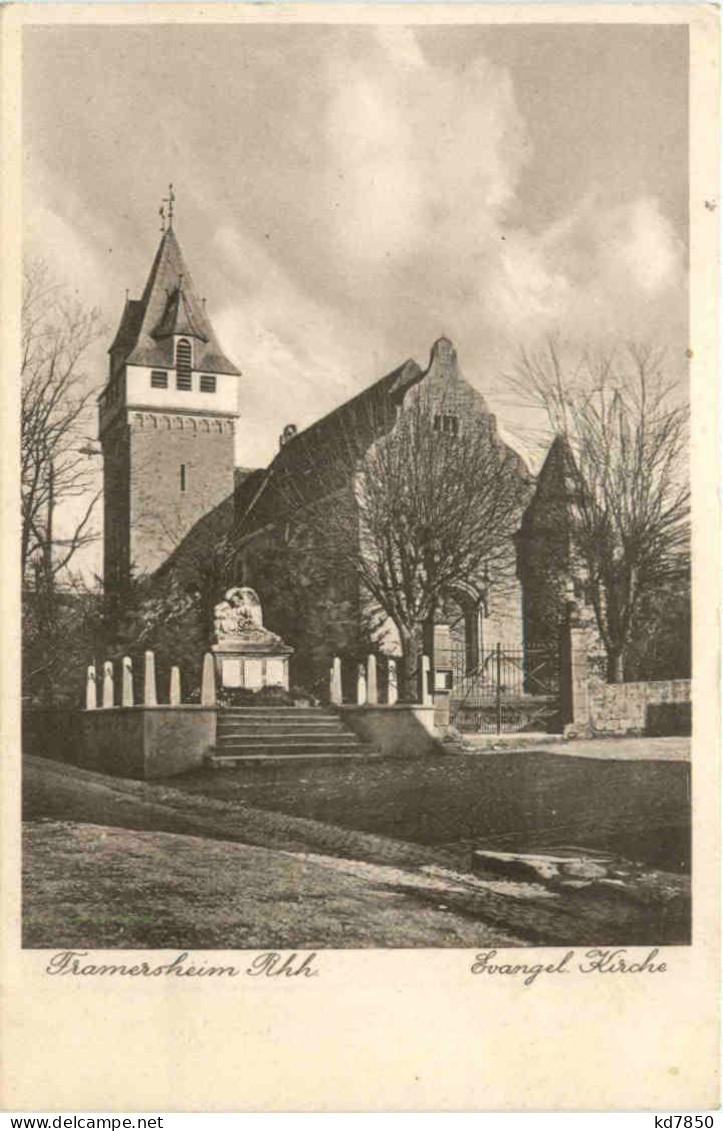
[(169, 200)]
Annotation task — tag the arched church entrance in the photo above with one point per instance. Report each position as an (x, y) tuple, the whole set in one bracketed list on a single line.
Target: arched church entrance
[(482, 685), (458, 644)]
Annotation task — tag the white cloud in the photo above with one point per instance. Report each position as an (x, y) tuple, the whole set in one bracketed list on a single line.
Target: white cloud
[(285, 343), (642, 245), (378, 205), (421, 160)]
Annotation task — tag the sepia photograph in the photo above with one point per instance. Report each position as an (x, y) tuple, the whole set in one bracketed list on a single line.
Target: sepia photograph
[(355, 486)]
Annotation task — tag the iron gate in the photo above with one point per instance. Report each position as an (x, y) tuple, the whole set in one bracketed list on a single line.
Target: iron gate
[(507, 691)]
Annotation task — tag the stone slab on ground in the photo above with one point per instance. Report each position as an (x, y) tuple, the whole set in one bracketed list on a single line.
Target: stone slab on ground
[(522, 911)]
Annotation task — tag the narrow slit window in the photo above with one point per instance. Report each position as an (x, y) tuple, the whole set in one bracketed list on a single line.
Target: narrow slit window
[(183, 477), (208, 383), (159, 379), (184, 363), (447, 424)]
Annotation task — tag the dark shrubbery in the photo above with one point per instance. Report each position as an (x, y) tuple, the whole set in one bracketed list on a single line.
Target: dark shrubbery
[(275, 696)]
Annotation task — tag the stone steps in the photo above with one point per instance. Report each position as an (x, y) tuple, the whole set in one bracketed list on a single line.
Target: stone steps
[(259, 734), (362, 753), (276, 712), (344, 738), (242, 727)]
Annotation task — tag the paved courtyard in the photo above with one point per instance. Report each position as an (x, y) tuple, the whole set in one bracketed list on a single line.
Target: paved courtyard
[(674, 749)]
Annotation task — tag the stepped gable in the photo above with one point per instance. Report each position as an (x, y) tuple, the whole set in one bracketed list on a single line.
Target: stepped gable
[(169, 307)]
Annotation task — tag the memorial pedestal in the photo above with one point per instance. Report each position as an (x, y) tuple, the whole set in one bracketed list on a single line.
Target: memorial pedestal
[(247, 654)]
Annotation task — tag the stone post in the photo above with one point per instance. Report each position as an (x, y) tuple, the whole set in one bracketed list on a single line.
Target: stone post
[(208, 682), (372, 692), (175, 691), (574, 677), (149, 681), (335, 692), (392, 690), (425, 694), (108, 683), (91, 698), (361, 685), (127, 687)]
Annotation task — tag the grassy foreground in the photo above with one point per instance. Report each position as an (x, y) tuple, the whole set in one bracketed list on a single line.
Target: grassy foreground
[(115, 863), (521, 801), (93, 886)]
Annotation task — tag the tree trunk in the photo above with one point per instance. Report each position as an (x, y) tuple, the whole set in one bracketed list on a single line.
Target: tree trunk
[(409, 661), (615, 667)]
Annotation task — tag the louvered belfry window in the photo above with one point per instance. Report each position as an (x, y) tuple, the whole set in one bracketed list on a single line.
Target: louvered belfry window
[(184, 363)]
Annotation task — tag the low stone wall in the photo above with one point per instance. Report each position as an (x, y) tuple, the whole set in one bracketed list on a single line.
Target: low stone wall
[(657, 707), (146, 742), (403, 730)]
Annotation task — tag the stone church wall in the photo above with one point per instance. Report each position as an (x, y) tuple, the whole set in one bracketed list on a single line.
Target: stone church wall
[(318, 605), (312, 600)]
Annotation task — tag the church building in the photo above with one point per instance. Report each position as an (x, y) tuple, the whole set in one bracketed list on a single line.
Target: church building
[(168, 418)]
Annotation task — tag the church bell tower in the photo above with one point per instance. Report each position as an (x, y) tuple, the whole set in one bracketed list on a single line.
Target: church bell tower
[(167, 418)]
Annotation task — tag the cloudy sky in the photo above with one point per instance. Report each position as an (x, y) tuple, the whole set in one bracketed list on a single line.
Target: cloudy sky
[(346, 195)]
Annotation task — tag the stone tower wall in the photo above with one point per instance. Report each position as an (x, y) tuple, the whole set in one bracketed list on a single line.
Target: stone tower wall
[(161, 512), (116, 507)]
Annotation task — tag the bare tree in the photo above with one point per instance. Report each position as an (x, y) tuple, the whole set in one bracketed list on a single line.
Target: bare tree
[(55, 401), (626, 433), (432, 501), (58, 483)]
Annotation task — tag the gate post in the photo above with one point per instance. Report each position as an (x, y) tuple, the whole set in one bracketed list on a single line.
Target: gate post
[(498, 700), (574, 675)]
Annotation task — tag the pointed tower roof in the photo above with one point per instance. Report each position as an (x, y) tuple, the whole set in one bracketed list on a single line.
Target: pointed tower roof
[(555, 487), (169, 306)]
